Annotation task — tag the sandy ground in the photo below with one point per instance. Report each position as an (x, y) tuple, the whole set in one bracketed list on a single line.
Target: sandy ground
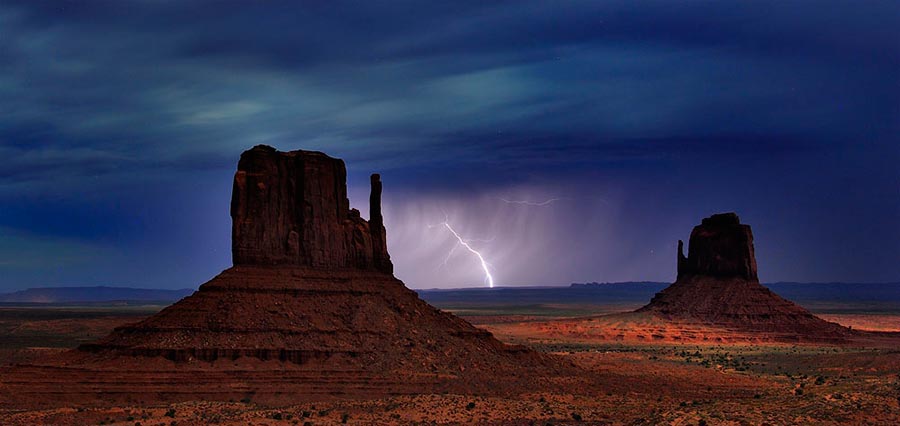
[(866, 322), (643, 381)]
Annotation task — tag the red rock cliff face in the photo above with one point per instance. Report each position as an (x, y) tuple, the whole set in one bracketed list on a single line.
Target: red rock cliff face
[(291, 208)]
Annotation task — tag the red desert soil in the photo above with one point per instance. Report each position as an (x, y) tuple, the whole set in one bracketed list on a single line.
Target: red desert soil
[(650, 384), (657, 382), (868, 322), (643, 328)]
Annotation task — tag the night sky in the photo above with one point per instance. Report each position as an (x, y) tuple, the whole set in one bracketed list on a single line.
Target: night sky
[(568, 141)]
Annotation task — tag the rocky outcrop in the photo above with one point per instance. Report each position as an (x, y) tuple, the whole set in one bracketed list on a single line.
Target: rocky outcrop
[(310, 310), (719, 247), (311, 281), (717, 284), (291, 208)]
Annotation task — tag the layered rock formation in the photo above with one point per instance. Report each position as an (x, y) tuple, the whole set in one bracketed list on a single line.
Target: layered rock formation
[(291, 208), (310, 308), (717, 284)]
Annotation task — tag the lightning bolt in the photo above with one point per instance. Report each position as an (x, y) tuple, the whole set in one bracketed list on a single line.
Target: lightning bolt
[(449, 255), (531, 203), (465, 244)]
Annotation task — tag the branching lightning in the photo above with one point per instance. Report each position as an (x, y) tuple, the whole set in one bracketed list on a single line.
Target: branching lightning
[(449, 255), (465, 243), (531, 203)]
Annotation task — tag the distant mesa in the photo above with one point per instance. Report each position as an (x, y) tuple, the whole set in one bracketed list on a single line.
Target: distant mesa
[(310, 310), (96, 294), (717, 284)]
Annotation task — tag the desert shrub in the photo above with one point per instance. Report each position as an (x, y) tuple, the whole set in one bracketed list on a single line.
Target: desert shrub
[(170, 413), (576, 417), (470, 406), (345, 417)]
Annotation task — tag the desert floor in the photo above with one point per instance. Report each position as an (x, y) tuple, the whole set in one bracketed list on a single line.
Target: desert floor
[(682, 376)]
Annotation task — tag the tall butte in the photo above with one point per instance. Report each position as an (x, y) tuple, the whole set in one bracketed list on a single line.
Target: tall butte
[(309, 310), (291, 208), (717, 284)]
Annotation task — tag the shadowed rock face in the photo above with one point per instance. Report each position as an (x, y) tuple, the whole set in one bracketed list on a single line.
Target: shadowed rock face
[(717, 284), (719, 247), (291, 208)]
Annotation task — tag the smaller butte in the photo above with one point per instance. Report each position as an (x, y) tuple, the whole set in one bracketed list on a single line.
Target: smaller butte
[(717, 285)]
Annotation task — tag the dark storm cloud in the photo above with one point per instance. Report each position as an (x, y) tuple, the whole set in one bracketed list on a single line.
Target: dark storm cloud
[(112, 112), (407, 68)]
